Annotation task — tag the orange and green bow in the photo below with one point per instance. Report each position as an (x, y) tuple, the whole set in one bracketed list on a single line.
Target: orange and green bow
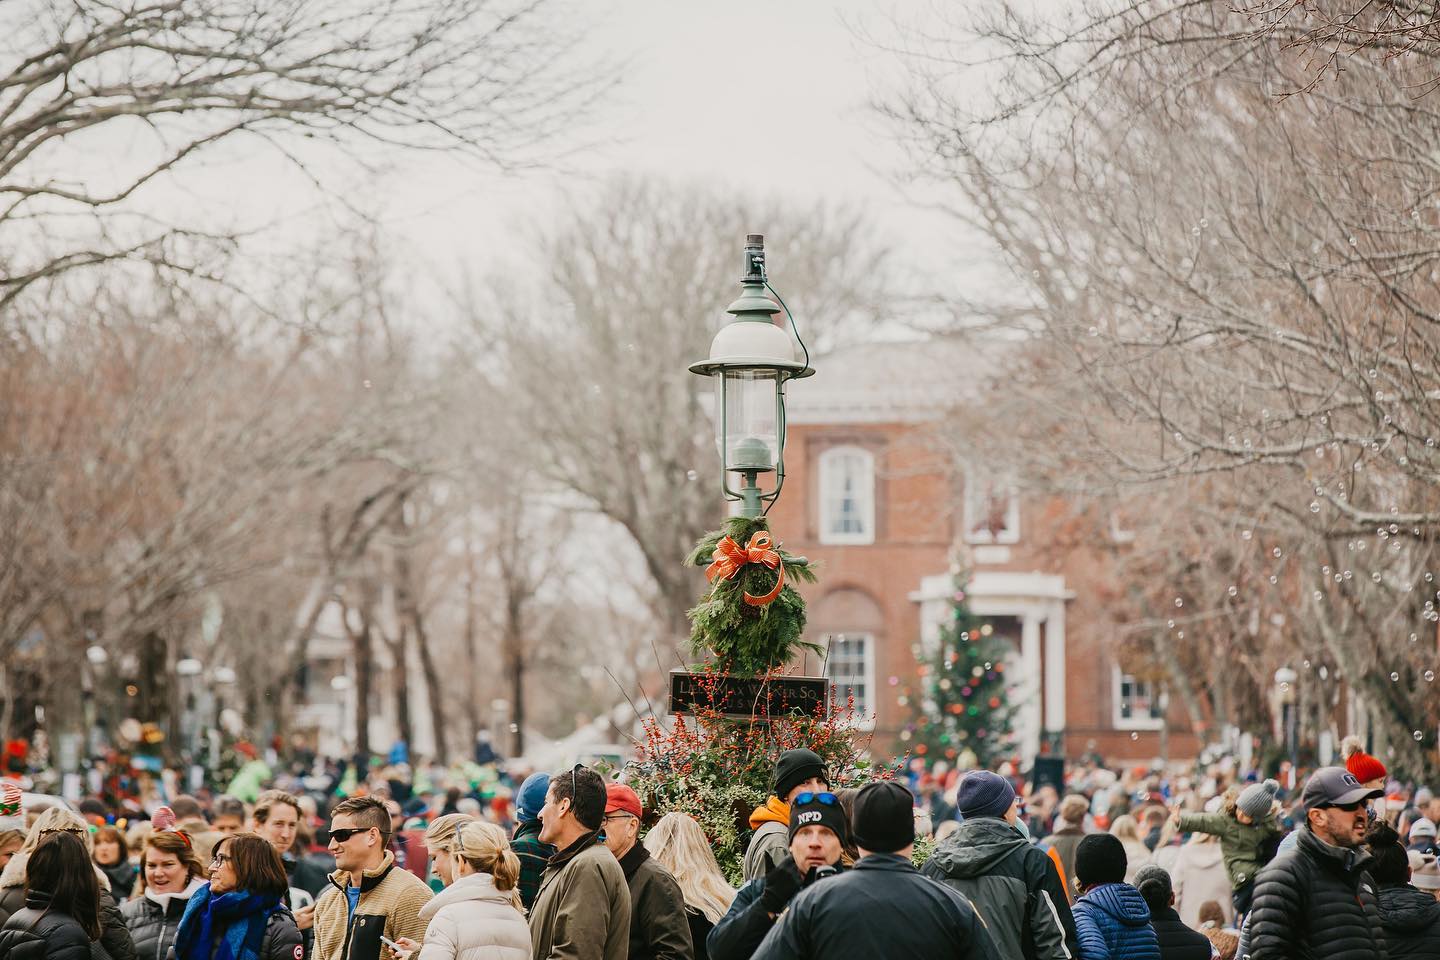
[(729, 557)]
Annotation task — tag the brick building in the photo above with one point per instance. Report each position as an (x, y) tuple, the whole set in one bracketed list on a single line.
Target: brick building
[(875, 494)]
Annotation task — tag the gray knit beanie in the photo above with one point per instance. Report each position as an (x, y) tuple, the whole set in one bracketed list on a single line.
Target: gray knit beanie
[(1256, 799)]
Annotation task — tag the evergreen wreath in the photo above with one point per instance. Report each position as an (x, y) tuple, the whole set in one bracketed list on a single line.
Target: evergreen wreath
[(746, 636)]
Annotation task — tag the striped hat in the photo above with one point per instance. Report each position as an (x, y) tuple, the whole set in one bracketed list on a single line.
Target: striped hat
[(10, 798)]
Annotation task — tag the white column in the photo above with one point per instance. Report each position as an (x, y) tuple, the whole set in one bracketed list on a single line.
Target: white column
[(1028, 714), (1055, 668)]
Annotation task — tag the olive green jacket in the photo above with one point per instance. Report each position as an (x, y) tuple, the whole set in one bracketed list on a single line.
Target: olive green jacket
[(582, 911)]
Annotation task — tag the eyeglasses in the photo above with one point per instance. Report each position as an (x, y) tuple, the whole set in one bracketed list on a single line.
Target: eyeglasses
[(220, 859), (829, 799), (618, 816), (345, 833)]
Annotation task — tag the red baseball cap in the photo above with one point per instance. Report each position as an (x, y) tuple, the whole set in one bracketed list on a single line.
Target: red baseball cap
[(621, 799)]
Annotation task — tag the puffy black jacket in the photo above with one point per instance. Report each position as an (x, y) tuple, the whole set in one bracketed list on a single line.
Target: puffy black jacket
[(59, 935), (1315, 902), (1411, 919), (1177, 941), (737, 935), (1014, 887), (152, 926), (882, 907)]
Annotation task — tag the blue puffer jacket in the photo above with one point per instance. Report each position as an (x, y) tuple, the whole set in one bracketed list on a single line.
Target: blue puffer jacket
[(1113, 923)]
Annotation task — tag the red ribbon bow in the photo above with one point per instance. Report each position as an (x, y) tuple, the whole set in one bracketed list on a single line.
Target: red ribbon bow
[(728, 558)]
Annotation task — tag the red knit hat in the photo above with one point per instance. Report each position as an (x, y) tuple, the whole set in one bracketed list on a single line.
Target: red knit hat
[(1364, 767)]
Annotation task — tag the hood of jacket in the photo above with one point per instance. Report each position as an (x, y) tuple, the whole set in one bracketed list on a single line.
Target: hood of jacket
[(773, 810), (163, 900), (977, 847), (1121, 901), (1204, 854), (14, 873), (476, 887), (1406, 909)]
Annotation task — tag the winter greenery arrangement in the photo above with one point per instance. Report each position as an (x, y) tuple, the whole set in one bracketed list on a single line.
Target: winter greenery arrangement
[(751, 619), (718, 768)]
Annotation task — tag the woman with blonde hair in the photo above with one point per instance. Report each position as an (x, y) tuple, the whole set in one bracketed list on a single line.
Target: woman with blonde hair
[(1126, 829), (114, 937), (441, 840), (680, 846), (477, 916)]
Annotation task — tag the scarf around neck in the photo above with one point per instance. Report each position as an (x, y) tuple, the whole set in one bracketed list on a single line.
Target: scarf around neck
[(232, 925)]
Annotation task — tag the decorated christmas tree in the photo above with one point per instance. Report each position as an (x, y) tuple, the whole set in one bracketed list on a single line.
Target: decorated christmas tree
[(963, 704)]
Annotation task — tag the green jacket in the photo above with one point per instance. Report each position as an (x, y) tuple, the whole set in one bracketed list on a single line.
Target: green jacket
[(582, 911), (1239, 842)]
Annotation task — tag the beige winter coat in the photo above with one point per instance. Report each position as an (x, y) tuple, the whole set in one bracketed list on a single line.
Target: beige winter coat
[(1199, 875), (471, 920)]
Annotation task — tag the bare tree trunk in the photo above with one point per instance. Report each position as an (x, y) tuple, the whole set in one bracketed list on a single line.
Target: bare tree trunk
[(515, 673), (361, 642), (472, 654), (399, 680), (433, 686)]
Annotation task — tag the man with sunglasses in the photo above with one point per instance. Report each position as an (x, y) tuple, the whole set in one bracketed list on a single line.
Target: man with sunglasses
[(1317, 901), (818, 830), (796, 771), (1013, 884), (582, 911), (369, 897)]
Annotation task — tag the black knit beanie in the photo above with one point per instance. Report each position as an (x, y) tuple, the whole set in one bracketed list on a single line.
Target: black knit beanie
[(795, 767), (819, 814), (884, 817), (1100, 858)]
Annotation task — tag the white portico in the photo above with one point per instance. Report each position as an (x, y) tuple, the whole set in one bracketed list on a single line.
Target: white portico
[(1037, 670)]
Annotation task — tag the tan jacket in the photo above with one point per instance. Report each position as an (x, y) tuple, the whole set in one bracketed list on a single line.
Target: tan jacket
[(582, 911), (390, 902)]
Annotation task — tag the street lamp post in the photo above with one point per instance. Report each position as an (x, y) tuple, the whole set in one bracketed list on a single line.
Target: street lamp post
[(750, 360)]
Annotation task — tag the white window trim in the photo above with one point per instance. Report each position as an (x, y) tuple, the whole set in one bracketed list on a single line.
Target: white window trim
[(864, 718), (1130, 723), (866, 495), (1011, 533)]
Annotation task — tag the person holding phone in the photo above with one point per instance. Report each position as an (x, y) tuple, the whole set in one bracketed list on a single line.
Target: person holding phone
[(369, 899), (818, 831)]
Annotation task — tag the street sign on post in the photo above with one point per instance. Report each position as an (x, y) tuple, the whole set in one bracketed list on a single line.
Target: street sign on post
[(760, 698)]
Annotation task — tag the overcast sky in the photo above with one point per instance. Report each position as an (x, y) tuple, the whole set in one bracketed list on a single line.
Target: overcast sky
[(761, 97)]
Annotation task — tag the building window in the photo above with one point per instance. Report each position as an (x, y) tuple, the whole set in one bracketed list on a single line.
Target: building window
[(851, 668), (992, 509), (847, 496), (1139, 704)]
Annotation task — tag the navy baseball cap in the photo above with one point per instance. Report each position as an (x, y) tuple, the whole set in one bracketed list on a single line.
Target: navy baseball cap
[(1335, 787)]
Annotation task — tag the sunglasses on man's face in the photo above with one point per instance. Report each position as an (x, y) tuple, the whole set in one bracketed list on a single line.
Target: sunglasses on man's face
[(1346, 807), (828, 799), (345, 833)]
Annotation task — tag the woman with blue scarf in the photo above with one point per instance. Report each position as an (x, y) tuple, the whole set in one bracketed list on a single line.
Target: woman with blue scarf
[(239, 914)]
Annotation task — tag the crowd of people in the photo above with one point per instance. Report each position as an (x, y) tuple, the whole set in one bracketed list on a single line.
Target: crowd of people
[(1134, 865)]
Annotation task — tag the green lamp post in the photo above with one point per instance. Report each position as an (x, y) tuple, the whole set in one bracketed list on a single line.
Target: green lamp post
[(750, 360)]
